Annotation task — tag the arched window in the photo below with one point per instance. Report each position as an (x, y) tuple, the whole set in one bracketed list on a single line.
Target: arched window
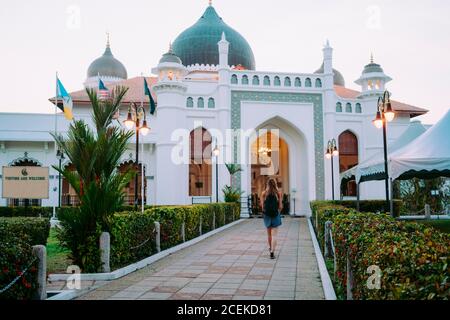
[(358, 108), (200, 172), (266, 81), (211, 103), (287, 82), (348, 107), (338, 107), (190, 102), (308, 83), (200, 103), (244, 79), (234, 79), (255, 81), (348, 158), (298, 82), (318, 83), (276, 81)]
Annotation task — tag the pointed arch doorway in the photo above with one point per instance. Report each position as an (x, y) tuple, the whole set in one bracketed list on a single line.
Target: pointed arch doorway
[(278, 150)]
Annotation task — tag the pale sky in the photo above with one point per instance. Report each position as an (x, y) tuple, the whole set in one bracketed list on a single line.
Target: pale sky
[(410, 39)]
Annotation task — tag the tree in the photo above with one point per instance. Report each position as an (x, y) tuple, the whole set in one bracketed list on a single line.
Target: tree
[(233, 168), (98, 183)]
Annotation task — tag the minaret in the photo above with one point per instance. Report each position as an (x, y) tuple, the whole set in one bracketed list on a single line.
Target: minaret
[(373, 79), (170, 91)]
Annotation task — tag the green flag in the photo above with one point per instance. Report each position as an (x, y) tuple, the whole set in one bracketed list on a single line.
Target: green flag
[(149, 94)]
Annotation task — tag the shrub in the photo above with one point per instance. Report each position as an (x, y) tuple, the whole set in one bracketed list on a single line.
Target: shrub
[(45, 212), (34, 230), (364, 205), (132, 238), (17, 236), (414, 259)]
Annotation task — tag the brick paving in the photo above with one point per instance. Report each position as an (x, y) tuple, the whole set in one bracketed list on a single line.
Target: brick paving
[(231, 265)]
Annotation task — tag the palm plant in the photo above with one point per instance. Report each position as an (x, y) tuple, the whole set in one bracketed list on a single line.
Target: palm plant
[(233, 168), (98, 183)]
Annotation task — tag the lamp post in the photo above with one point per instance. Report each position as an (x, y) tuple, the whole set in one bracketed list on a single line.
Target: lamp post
[(60, 156), (332, 151), (384, 115), (134, 120), (216, 153)]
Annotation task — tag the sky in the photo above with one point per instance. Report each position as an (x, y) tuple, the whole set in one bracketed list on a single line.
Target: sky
[(410, 39)]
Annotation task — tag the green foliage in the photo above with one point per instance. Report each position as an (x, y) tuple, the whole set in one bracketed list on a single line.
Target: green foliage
[(232, 194), (96, 180), (44, 212), (414, 259), (17, 236), (34, 230), (364, 205), (233, 168)]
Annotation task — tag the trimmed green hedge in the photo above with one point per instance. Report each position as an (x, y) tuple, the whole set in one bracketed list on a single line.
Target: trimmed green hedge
[(414, 259), (364, 205), (133, 233), (34, 230), (17, 236), (45, 212)]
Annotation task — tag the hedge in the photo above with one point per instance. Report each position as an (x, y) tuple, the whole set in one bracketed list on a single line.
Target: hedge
[(17, 236), (34, 230), (364, 205), (45, 212), (133, 233), (414, 259)]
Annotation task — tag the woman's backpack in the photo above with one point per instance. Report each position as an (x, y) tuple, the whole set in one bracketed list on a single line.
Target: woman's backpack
[(271, 205)]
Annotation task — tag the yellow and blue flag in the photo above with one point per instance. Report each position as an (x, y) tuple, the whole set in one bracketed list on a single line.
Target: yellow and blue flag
[(67, 103)]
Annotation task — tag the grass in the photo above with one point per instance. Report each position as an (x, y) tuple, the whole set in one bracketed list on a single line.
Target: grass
[(441, 225), (57, 256)]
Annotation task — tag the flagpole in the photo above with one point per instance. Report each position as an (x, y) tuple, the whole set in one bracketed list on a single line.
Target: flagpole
[(56, 132), (142, 164)]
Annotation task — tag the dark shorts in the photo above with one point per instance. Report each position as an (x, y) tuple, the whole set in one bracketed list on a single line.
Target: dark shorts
[(270, 222)]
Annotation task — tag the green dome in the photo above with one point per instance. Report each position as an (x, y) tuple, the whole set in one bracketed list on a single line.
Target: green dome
[(198, 44), (338, 78), (107, 66), (372, 67)]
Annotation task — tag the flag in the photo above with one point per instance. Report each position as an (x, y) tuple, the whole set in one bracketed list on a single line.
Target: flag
[(149, 94), (103, 91), (67, 103)]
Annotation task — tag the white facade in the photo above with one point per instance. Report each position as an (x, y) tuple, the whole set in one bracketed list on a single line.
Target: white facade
[(307, 116)]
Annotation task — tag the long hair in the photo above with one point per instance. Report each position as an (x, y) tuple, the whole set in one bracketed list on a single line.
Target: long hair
[(271, 187)]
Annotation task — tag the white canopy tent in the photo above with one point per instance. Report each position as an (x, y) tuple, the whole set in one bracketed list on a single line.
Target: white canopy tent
[(428, 156), (414, 130)]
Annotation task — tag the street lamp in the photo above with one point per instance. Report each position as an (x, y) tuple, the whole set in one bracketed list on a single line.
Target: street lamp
[(60, 156), (134, 119), (332, 151), (216, 153), (385, 114)]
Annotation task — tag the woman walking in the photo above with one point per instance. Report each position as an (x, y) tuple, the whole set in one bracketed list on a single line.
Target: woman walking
[(271, 202)]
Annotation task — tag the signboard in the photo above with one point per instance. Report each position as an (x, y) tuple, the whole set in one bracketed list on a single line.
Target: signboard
[(25, 182)]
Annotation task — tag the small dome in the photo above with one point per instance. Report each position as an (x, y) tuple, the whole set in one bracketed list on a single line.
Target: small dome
[(107, 66), (198, 44), (372, 67), (170, 57), (338, 77)]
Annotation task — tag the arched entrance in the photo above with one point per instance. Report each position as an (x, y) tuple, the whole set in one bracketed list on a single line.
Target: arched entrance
[(25, 162), (200, 171), (279, 150)]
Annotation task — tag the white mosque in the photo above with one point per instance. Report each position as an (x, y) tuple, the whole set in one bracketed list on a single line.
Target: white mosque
[(208, 84)]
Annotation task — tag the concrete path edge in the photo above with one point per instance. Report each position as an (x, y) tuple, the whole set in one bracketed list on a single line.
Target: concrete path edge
[(324, 276)]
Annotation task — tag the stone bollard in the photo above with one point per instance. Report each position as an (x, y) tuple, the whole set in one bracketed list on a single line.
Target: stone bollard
[(105, 251), (327, 238), (40, 253), (214, 221), (183, 231), (349, 279), (158, 236), (200, 231), (427, 211)]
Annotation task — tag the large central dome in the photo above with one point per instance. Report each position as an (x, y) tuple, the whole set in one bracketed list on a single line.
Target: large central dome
[(198, 44)]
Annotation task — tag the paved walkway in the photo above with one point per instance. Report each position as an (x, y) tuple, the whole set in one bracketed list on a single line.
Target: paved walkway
[(233, 264)]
